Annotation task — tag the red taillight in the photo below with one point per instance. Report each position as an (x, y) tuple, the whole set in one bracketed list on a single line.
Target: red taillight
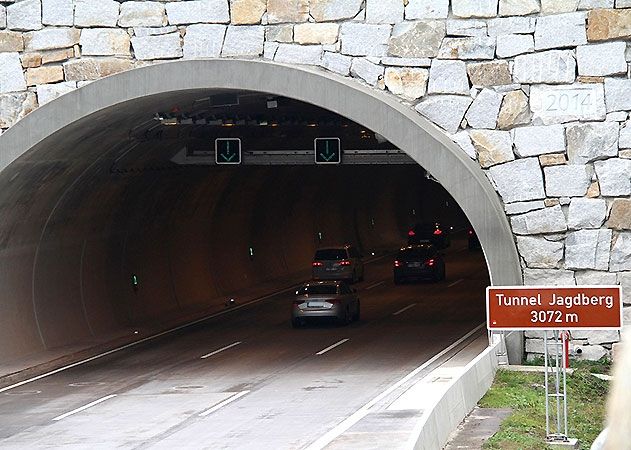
[(316, 263), (438, 232), (345, 263), (411, 233), (470, 232), (430, 262), (397, 263)]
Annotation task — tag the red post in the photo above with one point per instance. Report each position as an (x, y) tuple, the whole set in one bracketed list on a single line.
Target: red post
[(566, 348)]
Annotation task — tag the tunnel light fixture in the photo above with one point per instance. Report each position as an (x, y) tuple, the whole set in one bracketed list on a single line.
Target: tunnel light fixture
[(135, 283), (272, 104), (320, 236), (251, 252)]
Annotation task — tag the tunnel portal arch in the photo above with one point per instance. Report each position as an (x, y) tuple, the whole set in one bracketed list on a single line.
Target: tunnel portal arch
[(381, 113)]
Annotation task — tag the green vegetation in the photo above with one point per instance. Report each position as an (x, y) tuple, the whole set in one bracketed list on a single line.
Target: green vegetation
[(525, 394), (603, 365)]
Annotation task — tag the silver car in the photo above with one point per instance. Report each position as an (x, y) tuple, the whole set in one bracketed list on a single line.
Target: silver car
[(316, 299), (338, 263)]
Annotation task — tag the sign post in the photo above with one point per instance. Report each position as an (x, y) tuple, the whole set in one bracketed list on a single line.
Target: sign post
[(556, 309)]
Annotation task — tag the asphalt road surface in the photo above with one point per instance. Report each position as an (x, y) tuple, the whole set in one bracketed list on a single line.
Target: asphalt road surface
[(246, 379)]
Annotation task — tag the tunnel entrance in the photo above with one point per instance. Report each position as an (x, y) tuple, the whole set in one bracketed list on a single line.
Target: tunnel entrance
[(127, 159)]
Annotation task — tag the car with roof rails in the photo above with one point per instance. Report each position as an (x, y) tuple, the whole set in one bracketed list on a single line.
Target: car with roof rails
[(338, 263)]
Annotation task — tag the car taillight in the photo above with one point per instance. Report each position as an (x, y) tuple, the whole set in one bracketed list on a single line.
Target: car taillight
[(430, 262), (316, 263), (345, 263), (438, 232), (411, 233), (397, 263)]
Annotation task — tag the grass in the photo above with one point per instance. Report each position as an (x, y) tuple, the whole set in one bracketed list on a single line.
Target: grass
[(525, 394), (603, 365)]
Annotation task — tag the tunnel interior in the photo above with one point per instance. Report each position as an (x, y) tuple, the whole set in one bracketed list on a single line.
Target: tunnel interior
[(123, 222)]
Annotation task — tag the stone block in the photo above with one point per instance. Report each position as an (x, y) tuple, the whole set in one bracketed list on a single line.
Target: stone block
[(95, 68), (327, 11), (204, 40), (618, 94), (246, 40), (142, 14), (620, 215), (588, 249), (44, 75), (602, 59), (25, 15), (11, 75), (484, 110), (446, 111), (366, 70), (559, 104), (567, 180), (514, 110), (201, 11), (614, 176), (554, 66), (511, 25), (593, 4), (518, 7), (337, 63), (548, 277), (418, 39), (421, 9), (105, 42), (590, 352), (624, 279), (518, 181), (547, 220), (589, 142), (409, 83), (595, 277), (540, 253), (492, 147), (31, 60), (154, 31), (56, 55), (467, 8), (473, 47), (51, 38), (624, 137), (386, 11), (49, 92), (586, 213), (360, 39), (560, 30), (15, 106), (607, 24), (96, 13), (464, 142), (539, 140), (163, 46), (466, 27), (316, 33), (58, 12), (495, 73), (553, 159), (247, 12), (299, 54), (597, 337), (558, 6), (510, 45), (280, 33), (523, 207), (11, 41), (448, 77), (621, 255), (406, 62), (3, 16)]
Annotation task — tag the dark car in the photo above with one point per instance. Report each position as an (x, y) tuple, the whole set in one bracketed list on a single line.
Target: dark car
[(433, 233), (418, 262), (325, 299), (474, 242)]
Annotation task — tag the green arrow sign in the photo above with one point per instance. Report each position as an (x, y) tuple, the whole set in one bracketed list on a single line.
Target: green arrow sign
[(228, 151), (328, 151)]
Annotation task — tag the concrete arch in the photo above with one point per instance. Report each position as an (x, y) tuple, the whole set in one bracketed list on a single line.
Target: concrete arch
[(425, 143)]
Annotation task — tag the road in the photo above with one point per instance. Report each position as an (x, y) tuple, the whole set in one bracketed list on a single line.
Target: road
[(246, 379)]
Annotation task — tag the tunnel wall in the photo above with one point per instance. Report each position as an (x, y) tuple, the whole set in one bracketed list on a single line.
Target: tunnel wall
[(185, 234)]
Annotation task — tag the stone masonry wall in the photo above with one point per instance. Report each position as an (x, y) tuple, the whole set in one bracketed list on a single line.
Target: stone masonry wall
[(537, 91)]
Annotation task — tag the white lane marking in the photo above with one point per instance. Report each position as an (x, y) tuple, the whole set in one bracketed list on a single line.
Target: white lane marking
[(84, 407), (404, 309), (455, 282), (221, 350), (327, 438), (331, 347), (372, 286), (220, 405)]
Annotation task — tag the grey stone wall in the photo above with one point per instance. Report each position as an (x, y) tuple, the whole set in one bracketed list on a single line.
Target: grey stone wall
[(537, 91)]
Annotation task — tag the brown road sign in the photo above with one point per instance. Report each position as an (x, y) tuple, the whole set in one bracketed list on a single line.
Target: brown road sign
[(553, 307)]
